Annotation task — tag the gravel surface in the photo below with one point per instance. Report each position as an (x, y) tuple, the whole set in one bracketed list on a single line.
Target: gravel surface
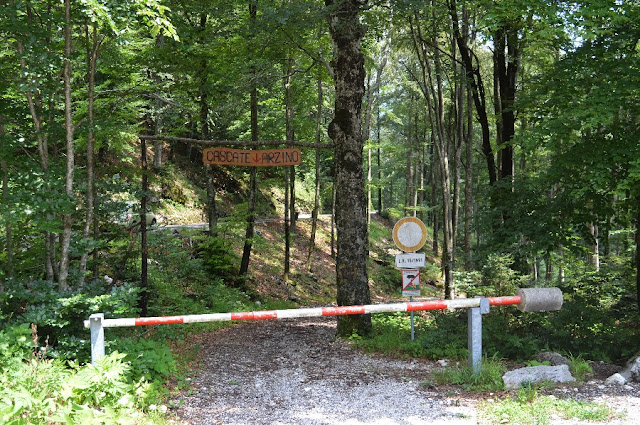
[(296, 372)]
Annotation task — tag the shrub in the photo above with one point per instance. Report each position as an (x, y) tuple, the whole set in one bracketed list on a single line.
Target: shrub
[(60, 315), (217, 257), (36, 391), (148, 359)]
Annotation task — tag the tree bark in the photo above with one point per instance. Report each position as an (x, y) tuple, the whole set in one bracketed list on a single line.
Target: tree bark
[(289, 208), (92, 57), (474, 78), (468, 186), (8, 227), (316, 198), (144, 291), (69, 135), (157, 145), (346, 132), (248, 240), (378, 163), (506, 58), (637, 237)]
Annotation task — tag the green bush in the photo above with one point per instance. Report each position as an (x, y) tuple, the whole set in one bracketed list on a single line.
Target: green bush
[(148, 359), (48, 391), (217, 257), (599, 319), (60, 315)]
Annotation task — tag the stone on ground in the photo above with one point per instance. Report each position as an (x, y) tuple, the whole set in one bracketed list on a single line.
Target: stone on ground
[(533, 374)]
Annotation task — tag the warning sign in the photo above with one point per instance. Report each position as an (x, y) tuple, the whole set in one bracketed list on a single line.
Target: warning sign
[(410, 283), (252, 158), (409, 234)]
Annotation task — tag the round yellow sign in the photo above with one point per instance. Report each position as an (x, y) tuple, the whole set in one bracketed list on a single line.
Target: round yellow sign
[(409, 234)]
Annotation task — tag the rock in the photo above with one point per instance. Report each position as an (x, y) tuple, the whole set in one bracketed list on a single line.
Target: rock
[(534, 374), (616, 379), (554, 359), (633, 368), (630, 373)]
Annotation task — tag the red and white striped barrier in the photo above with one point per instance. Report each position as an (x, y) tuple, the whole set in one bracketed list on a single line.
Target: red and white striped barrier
[(528, 299), (308, 312)]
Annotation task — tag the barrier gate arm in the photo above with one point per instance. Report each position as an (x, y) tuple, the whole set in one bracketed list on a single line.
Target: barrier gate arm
[(529, 299)]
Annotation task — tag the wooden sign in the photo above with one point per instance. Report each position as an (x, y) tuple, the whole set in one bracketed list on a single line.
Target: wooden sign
[(252, 158)]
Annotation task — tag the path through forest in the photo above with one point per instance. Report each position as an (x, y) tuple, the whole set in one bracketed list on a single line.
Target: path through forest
[(294, 371)]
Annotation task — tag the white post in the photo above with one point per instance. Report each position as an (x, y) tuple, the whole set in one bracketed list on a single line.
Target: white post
[(97, 336)]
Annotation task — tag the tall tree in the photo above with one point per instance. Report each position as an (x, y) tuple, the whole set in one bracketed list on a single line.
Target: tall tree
[(253, 185), (345, 130)]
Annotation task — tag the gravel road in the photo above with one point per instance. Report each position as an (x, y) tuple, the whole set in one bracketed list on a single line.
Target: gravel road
[(296, 372)]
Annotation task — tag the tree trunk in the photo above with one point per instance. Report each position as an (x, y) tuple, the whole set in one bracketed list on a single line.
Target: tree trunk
[(7, 229), (290, 135), (548, 275), (408, 176), (316, 199), (144, 292), (594, 249), (157, 145), (468, 186), (434, 95), (212, 212), (434, 195), (474, 78), (346, 131), (371, 94), (287, 230), (378, 163), (92, 57), (638, 248), (67, 223), (34, 102), (506, 58), (333, 216), (248, 240), (289, 181)]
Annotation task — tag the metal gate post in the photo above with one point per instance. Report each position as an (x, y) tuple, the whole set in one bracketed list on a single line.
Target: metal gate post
[(474, 344), (97, 336)]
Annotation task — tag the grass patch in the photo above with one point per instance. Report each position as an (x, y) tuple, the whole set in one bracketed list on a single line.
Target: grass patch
[(391, 336), (488, 379), (580, 368), (529, 408)]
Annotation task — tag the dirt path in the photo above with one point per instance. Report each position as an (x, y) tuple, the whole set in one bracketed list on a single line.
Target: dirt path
[(295, 372)]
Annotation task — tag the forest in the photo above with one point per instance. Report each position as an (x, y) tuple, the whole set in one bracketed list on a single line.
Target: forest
[(510, 128)]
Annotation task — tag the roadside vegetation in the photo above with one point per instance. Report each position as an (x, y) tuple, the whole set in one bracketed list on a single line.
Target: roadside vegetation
[(510, 128)]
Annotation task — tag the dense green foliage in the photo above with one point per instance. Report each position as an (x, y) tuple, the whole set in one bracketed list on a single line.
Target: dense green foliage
[(547, 193), (597, 321)]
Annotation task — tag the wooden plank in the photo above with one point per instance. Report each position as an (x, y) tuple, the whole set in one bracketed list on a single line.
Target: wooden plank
[(252, 158)]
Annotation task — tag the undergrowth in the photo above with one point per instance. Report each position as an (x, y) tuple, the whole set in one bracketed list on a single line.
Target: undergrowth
[(528, 407)]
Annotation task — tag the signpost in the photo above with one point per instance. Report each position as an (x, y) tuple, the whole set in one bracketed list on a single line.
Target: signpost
[(252, 158), (410, 234)]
